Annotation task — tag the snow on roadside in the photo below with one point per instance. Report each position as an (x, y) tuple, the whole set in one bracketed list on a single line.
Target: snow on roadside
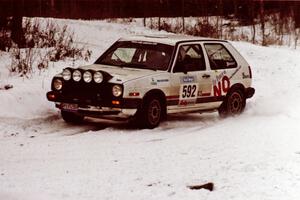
[(253, 156), (27, 99)]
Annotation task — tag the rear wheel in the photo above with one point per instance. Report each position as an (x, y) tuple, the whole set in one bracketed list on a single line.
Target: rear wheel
[(234, 104), (71, 117), (151, 113)]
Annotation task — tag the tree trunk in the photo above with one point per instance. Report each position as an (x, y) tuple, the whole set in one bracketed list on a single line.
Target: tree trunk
[(182, 9), (220, 17), (253, 21), (253, 33), (262, 23), (297, 34), (159, 23), (151, 25), (17, 33)]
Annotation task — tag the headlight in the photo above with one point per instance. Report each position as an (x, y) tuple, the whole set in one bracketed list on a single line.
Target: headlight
[(66, 74), (117, 90), (57, 84), (87, 76), (76, 75), (98, 77)]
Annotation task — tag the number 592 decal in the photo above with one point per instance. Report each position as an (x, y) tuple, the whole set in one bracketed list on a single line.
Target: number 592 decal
[(188, 93)]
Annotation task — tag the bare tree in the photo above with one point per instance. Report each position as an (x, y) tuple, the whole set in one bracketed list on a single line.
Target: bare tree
[(17, 33), (262, 22), (182, 12), (219, 23), (252, 19)]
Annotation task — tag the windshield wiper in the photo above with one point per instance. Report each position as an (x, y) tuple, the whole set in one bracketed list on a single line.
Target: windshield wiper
[(117, 64)]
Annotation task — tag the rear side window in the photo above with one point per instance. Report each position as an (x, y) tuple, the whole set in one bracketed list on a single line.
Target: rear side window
[(219, 57)]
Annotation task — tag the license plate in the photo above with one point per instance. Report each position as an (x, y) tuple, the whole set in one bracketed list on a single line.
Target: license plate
[(69, 106)]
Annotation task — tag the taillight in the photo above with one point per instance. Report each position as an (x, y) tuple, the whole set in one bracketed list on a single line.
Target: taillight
[(250, 72)]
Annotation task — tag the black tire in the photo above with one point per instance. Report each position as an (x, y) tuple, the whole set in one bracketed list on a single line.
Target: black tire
[(234, 104), (70, 117), (150, 115)]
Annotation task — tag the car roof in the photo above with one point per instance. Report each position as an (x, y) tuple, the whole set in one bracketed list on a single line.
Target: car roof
[(170, 39)]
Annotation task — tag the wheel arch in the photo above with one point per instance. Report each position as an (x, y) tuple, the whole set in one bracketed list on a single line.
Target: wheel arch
[(237, 86), (223, 112), (156, 93)]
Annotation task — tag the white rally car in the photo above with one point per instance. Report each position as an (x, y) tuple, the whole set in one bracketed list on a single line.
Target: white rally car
[(147, 77)]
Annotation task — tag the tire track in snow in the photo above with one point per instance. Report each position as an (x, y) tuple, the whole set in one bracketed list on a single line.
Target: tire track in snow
[(52, 124)]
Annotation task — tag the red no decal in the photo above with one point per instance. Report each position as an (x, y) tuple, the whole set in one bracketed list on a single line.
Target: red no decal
[(223, 85)]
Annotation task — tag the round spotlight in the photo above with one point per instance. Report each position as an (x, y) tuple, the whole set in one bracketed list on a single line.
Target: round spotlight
[(76, 75), (98, 77), (57, 84), (66, 74), (117, 90), (87, 76)]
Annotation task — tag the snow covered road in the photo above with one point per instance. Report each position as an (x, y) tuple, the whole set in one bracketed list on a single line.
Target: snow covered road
[(253, 156)]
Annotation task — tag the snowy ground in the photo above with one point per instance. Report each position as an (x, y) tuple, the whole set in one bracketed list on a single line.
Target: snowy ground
[(253, 156)]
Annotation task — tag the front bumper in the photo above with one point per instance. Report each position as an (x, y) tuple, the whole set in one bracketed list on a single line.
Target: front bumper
[(102, 112), (118, 108)]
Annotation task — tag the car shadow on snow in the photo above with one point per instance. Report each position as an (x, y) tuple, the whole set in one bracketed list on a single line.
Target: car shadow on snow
[(95, 125), (52, 123), (172, 121)]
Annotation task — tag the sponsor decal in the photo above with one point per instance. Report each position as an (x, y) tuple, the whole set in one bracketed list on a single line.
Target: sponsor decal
[(153, 82), (221, 84), (244, 76), (162, 80), (188, 79), (228, 64), (202, 94), (186, 102)]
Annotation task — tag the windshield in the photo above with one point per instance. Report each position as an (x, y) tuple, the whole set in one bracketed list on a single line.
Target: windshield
[(142, 55)]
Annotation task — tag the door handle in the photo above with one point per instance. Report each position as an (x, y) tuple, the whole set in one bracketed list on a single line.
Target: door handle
[(205, 76)]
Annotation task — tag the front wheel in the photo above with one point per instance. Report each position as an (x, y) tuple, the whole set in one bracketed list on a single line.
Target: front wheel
[(151, 113), (71, 117), (234, 104)]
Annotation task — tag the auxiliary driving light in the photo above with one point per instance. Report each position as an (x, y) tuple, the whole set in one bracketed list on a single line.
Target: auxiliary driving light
[(98, 77), (87, 76), (76, 75), (66, 74)]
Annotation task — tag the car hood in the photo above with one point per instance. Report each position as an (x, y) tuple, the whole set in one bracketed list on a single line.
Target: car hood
[(121, 74)]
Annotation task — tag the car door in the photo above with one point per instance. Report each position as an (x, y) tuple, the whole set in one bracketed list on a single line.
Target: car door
[(191, 80), (224, 66)]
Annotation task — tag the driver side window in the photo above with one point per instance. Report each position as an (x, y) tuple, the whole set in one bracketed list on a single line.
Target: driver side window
[(189, 58)]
